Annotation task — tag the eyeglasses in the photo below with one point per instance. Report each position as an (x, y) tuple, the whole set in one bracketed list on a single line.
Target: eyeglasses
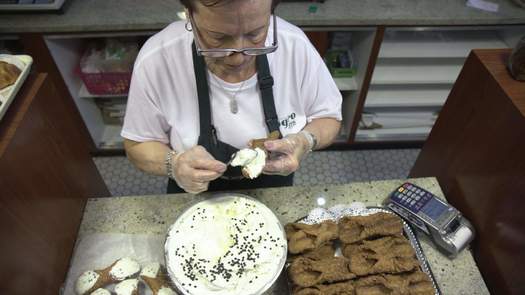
[(224, 52)]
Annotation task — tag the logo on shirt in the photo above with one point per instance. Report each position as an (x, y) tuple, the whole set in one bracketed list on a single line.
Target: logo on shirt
[(289, 122)]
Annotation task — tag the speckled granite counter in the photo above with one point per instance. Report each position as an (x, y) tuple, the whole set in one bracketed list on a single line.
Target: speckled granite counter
[(132, 15), (154, 214)]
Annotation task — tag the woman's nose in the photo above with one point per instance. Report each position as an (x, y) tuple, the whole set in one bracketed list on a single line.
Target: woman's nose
[(235, 59)]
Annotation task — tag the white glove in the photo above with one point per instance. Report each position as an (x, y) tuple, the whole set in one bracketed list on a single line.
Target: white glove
[(195, 168), (286, 154)]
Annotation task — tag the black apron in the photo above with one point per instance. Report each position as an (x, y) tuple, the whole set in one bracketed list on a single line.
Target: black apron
[(232, 178)]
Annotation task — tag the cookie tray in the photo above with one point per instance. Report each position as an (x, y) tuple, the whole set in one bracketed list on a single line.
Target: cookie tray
[(409, 233), (23, 62)]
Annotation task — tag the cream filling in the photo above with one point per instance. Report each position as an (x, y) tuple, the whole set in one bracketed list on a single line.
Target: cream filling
[(166, 291), (252, 161), (127, 287), (86, 281), (225, 247), (101, 291), (124, 268), (151, 270)]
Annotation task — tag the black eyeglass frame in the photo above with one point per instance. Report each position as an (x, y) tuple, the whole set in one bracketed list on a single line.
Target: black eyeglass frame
[(224, 52)]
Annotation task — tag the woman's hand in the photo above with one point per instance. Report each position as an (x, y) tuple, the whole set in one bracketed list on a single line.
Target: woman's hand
[(195, 168), (286, 154)]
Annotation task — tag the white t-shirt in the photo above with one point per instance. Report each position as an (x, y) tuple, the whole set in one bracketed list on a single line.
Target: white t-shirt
[(163, 104)]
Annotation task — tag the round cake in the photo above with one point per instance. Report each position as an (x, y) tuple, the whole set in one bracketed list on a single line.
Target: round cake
[(230, 244)]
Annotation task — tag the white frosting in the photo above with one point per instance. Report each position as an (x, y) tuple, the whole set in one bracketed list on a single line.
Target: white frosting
[(127, 287), (124, 268), (151, 270), (243, 157), (166, 291), (252, 160), (86, 281), (101, 291), (228, 245)]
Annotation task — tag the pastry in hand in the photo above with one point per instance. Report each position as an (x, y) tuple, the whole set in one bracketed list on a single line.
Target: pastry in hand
[(253, 159), (305, 237), (259, 143), (128, 287), (119, 270), (155, 277), (252, 162), (100, 291), (8, 74)]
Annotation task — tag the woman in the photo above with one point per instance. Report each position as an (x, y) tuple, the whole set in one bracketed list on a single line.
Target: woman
[(233, 72)]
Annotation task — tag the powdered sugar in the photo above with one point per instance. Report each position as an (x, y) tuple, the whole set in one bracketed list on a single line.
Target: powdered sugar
[(124, 268), (86, 281)]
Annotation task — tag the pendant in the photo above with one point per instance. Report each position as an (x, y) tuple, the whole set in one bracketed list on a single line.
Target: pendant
[(234, 108)]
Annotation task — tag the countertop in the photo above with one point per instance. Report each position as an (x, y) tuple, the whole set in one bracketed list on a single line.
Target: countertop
[(152, 215), (135, 15)]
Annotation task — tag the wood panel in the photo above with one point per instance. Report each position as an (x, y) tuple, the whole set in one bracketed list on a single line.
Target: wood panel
[(477, 152), (46, 176), (376, 46), (35, 46)]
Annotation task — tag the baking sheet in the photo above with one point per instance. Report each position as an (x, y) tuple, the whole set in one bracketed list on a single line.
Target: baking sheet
[(23, 62), (338, 212)]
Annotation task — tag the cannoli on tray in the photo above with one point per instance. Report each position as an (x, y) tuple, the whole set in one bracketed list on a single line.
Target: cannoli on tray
[(118, 271), (156, 278)]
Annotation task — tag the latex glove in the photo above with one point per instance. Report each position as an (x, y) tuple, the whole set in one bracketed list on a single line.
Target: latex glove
[(285, 154), (195, 168)]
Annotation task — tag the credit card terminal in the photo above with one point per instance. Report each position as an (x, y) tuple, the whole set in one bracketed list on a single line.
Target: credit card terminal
[(443, 223)]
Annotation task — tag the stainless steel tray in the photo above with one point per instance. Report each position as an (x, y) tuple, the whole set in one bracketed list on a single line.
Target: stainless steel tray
[(409, 233)]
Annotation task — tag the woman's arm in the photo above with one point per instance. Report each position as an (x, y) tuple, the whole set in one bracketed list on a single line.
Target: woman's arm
[(324, 129), (286, 154), (192, 170), (147, 156)]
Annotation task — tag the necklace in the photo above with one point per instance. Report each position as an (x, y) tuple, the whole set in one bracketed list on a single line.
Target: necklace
[(234, 106)]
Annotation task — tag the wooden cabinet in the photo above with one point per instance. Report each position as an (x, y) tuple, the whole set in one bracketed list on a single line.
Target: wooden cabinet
[(477, 152), (46, 175)]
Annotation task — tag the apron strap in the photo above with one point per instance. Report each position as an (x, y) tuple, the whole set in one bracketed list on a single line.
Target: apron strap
[(203, 93), (266, 86)]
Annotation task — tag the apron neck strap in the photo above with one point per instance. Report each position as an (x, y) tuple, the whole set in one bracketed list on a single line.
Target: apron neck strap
[(266, 87), (203, 92), (264, 78)]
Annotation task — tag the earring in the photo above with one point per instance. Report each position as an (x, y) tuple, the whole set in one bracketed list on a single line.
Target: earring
[(187, 25)]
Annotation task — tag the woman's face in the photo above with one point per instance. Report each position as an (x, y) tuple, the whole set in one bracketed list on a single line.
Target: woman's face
[(236, 24)]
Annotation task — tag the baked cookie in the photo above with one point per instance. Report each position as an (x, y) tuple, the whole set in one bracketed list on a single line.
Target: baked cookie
[(353, 229), (414, 283), (391, 254), (343, 288), (304, 237), (119, 270), (8, 74), (305, 272)]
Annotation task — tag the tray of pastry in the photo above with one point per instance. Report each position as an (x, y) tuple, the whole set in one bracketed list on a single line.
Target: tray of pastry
[(368, 250), (13, 71)]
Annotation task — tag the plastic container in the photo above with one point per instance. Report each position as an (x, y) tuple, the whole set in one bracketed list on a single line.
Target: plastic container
[(106, 66), (106, 83)]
